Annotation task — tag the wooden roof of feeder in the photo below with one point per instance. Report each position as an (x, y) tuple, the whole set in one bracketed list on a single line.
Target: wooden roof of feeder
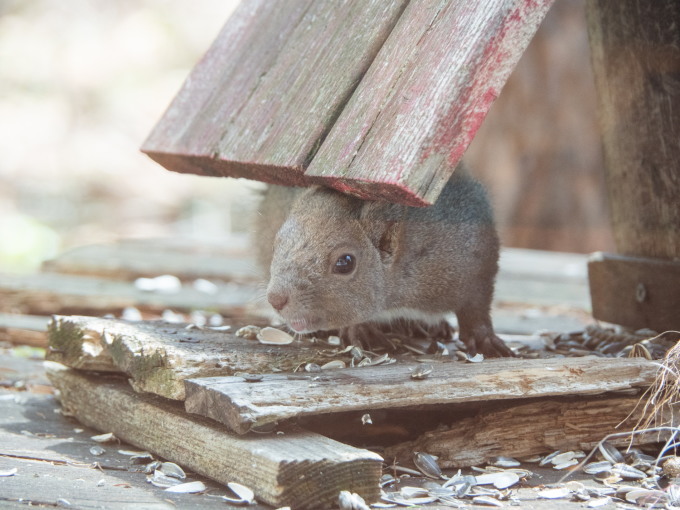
[(376, 98)]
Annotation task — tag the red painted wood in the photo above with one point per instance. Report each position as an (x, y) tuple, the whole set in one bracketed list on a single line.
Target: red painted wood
[(270, 87), (376, 98), (410, 120)]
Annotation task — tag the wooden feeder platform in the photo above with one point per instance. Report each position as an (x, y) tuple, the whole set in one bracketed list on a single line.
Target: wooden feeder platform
[(199, 396)]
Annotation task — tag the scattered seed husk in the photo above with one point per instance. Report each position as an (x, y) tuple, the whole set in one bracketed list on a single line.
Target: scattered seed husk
[(486, 500), (505, 462), (548, 458), (351, 501), (597, 467), (598, 502), (97, 450), (140, 457), (610, 453), (565, 465), (152, 466), (273, 336), (252, 377), (104, 438), (531, 460), (554, 493), (628, 472), (500, 479), (477, 358), (248, 332), (9, 472), (245, 495), (460, 484), (646, 497), (381, 359), (336, 363), (427, 464), (421, 371), (187, 488), (172, 469), (334, 340), (132, 453), (413, 492), (562, 458), (159, 479), (366, 419)]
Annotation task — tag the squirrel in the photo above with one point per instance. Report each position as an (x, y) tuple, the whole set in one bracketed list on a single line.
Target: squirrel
[(337, 262)]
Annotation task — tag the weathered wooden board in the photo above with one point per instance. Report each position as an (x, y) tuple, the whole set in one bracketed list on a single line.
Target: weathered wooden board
[(636, 53), (158, 356), (241, 405), (299, 469), (55, 467), (524, 430), (132, 258), (635, 292), (265, 95), (46, 294), (414, 113), (24, 329)]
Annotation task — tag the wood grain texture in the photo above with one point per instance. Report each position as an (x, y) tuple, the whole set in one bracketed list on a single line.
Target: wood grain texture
[(159, 356), (635, 292), (45, 294), (417, 108), (636, 58), (299, 469), (265, 95), (241, 405), (527, 429)]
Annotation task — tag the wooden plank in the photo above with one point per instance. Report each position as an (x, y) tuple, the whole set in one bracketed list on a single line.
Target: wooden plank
[(24, 329), (523, 430), (299, 469), (159, 356), (133, 258), (46, 294), (636, 52), (414, 113), (265, 95), (241, 405), (635, 292)]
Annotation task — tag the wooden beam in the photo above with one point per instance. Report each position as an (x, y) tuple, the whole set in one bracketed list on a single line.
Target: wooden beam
[(159, 356), (298, 469), (523, 430), (635, 292), (411, 118), (636, 56), (241, 405), (270, 87), (264, 101)]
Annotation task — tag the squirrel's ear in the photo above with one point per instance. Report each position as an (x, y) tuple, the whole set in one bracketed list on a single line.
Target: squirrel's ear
[(383, 228)]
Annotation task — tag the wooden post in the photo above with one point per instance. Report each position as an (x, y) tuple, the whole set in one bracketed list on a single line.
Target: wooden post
[(636, 59)]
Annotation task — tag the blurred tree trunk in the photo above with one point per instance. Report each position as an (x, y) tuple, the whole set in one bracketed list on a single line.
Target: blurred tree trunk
[(539, 149)]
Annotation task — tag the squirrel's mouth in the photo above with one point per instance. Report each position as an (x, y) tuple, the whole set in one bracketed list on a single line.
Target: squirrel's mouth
[(302, 325)]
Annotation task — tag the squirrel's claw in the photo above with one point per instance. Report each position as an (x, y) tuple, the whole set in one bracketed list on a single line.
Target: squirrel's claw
[(489, 345)]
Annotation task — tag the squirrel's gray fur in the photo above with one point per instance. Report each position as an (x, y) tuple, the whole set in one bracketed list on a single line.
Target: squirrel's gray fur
[(410, 262)]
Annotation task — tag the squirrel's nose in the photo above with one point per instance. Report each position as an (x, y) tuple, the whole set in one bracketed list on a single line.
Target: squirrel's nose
[(277, 300)]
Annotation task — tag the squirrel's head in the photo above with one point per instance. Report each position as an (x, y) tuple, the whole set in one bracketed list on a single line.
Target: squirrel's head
[(330, 261)]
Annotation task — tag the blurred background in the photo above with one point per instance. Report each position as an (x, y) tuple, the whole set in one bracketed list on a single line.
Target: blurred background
[(83, 82)]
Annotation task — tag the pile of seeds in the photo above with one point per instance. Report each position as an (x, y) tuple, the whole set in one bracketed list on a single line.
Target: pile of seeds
[(632, 478), (611, 342)]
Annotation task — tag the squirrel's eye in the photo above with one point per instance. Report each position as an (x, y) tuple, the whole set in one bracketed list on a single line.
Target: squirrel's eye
[(345, 264)]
